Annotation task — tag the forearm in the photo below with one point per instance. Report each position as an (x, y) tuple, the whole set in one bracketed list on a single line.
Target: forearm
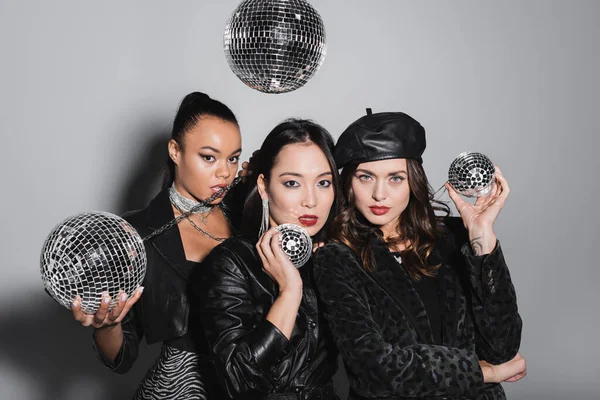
[(109, 341), (283, 312), (493, 305), (482, 240)]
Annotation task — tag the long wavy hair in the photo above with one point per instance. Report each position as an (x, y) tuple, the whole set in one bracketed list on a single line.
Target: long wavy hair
[(417, 225)]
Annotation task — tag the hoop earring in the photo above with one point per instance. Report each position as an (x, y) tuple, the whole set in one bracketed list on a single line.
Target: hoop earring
[(264, 224)]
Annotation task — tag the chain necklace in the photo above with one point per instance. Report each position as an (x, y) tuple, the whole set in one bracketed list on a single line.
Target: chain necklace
[(186, 205), (205, 233), (176, 220)]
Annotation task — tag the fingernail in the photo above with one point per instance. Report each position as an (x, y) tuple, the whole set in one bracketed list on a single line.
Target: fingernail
[(141, 289), (124, 297), (106, 300), (75, 304)]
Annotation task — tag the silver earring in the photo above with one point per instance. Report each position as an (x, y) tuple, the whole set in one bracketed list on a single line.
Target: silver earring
[(264, 224)]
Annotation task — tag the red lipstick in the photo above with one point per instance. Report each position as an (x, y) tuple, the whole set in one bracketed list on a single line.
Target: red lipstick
[(379, 210), (308, 220)]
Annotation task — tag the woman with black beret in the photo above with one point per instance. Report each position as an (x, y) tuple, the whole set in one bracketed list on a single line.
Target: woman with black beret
[(420, 306)]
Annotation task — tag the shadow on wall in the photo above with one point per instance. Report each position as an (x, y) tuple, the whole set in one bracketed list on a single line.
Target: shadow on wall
[(146, 173), (44, 353), (42, 346)]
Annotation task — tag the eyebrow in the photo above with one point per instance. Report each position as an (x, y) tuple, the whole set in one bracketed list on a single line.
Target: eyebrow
[(366, 171), (217, 150), (300, 175)]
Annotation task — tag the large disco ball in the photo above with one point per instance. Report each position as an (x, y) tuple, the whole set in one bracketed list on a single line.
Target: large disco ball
[(275, 46), (91, 253), (472, 174)]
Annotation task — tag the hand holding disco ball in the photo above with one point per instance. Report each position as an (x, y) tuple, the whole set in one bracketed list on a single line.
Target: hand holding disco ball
[(282, 257), (296, 243), (474, 175), (89, 254), (95, 257)]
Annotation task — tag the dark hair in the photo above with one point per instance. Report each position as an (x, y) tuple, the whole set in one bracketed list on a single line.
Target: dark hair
[(262, 162), (418, 223), (192, 109)]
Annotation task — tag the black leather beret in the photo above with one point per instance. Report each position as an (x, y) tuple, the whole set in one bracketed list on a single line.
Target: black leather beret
[(380, 136)]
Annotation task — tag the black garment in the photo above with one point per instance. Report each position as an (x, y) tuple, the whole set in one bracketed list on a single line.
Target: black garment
[(427, 288), (186, 341), (253, 358), (161, 314), (380, 136), (382, 331)]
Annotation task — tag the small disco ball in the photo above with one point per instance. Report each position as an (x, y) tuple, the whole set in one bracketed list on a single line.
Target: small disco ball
[(91, 253), (472, 174), (296, 243), (275, 46)]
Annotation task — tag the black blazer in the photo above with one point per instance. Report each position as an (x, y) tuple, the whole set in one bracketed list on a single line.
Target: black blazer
[(253, 358), (382, 331), (162, 311)]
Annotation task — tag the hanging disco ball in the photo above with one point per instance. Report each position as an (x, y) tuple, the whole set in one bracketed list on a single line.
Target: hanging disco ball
[(472, 174), (91, 253), (275, 46), (296, 243)]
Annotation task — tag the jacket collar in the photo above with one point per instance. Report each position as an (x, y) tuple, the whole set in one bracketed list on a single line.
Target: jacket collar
[(168, 244), (393, 279), (397, 284)]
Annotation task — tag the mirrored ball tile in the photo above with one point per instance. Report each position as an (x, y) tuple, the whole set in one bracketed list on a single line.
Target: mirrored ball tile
[(91, 253), (275, 46)]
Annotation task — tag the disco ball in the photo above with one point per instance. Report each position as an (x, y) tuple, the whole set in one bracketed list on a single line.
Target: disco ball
[(296, 243), (275, 46), (472, 174), (91, 253)]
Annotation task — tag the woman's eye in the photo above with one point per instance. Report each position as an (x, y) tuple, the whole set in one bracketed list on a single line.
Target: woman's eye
[(234, 160), (324, 183), (397, 179), (207, 158), (364, 177), (291, 184)]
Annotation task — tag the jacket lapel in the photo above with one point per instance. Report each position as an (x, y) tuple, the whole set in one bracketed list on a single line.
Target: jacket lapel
[(168, 244), (397, 284), (452, 310)]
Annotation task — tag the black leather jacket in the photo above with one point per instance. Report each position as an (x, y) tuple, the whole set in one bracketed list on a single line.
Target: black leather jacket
[(162, 311), (232, 296)]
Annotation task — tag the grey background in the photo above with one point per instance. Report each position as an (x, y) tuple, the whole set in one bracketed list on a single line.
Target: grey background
[(88, 91)]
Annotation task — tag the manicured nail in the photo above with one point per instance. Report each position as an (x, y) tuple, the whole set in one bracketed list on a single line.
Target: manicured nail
[(141, 289), (75, 304), (124, 297), (106, 300)]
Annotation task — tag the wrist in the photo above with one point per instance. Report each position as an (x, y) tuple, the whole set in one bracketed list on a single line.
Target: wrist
[(488, 373), (482, 240), (107, 329), (292, 292), (480, 228)]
